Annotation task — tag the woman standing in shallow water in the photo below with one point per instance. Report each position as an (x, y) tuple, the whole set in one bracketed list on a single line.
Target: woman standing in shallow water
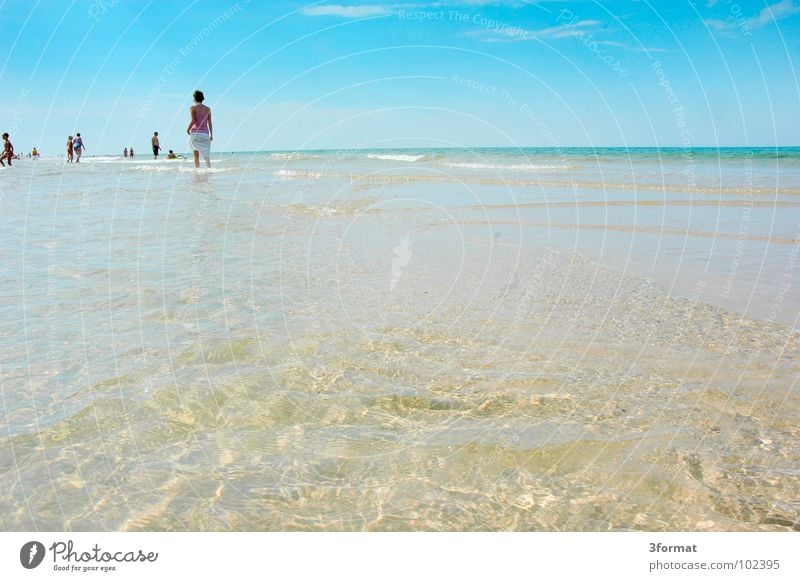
[(69, 149), (200, 130), (78, 147)]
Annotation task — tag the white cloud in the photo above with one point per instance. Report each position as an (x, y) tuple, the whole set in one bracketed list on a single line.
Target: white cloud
[(774, 12), (514, 33), (509, 3), (584, 30), (499, 32), (766, 15), (624, 46), (361, 11), (716, 24), (366, 10)]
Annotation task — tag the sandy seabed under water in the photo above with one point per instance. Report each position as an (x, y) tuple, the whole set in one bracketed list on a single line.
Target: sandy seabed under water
[(410, 384)]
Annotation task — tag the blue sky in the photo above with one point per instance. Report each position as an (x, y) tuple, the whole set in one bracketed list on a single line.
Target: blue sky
[(286, 75)]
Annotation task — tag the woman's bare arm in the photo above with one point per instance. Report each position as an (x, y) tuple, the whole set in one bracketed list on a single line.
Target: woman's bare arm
[(210, 127)]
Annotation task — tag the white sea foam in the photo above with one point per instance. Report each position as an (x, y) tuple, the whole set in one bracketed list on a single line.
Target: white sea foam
[(118, 160), (101, 158), (394, 157), (292, 156), (186, 159), (513, 167), (299, 173), (183, 168)]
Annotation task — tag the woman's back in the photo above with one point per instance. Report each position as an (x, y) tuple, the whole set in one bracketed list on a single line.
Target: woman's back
[(200, 114)]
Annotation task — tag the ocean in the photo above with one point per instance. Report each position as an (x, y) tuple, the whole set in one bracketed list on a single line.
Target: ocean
[(402, 339)]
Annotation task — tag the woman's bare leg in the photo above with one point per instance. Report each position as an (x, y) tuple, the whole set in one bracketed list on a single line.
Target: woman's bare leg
[(196, 158)]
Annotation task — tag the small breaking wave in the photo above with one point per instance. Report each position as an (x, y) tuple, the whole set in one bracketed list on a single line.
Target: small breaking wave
[(101, 158), (513, 167), (289, 174), (292, 156), (183, 168), (395, 157)]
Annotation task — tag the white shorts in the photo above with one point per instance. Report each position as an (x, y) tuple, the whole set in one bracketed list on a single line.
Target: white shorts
[(201, 142)]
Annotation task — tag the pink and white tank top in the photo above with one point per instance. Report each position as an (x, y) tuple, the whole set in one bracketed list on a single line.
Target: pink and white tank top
[(200, 124)]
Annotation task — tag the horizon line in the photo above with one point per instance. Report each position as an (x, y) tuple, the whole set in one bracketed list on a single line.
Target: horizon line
[(465, 148)]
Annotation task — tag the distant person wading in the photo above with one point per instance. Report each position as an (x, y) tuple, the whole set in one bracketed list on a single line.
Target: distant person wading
[(155, 144), (78, 147), (200, 130), (8, 150)]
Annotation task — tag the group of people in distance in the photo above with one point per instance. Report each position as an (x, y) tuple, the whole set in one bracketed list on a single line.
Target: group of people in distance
[(200, 131)]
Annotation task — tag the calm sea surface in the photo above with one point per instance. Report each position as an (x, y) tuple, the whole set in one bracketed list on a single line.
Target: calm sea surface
[(488, 339)]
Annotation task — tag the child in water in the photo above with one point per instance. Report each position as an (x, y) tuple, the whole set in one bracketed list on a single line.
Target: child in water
[(8, 150)]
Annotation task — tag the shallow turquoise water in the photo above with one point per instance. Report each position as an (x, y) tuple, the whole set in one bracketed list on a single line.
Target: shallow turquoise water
[(402, 339)]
